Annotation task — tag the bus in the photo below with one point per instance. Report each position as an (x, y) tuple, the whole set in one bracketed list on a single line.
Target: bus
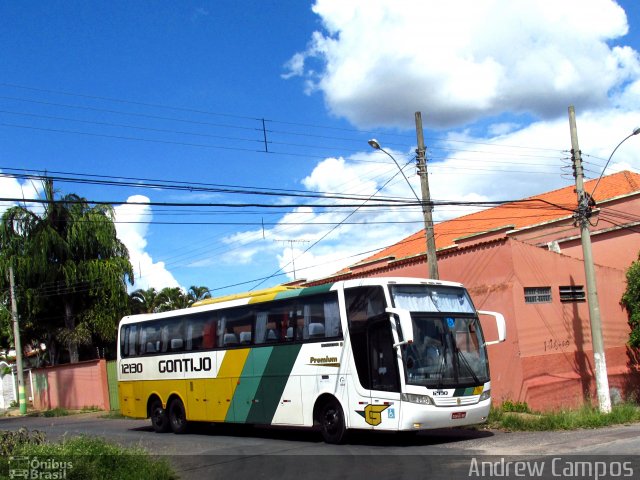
[(393, 354)]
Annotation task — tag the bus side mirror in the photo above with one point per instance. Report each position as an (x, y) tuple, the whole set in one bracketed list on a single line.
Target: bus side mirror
[(405, 335), (502, 326)]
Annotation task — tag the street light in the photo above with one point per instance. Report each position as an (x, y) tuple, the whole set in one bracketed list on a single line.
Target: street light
[(636, 131), (425, 202), (376, 146)]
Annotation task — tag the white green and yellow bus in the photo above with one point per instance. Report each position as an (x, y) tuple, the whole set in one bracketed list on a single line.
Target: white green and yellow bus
[(394, 354)]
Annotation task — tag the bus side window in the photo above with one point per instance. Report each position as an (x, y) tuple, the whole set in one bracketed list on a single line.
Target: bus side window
[(149, 342), (124, 341), (209, 334), (321, 317), (194, 333), (164, 338), (133, 330), (176, 338)]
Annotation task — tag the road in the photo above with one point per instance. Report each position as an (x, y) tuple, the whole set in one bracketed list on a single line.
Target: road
[(241, 452)]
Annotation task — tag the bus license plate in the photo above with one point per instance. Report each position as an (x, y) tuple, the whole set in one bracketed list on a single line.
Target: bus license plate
[(458, 415)]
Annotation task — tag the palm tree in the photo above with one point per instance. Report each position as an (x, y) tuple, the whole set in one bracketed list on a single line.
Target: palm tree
[(144, 301), (172, 298), (71, 267), (196, 294)]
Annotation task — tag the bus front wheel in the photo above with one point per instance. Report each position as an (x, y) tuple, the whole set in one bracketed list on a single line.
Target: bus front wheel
[(159, 418), (332, 423), (177, 416)]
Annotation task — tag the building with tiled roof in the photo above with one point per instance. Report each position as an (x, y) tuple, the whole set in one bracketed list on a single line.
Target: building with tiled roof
[(524, 259)]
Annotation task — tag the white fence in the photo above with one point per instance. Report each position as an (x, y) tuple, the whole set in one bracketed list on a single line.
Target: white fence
[(8, 392)]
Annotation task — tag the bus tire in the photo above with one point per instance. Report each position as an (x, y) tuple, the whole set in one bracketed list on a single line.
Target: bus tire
[(178, 416), (332, 424), (159, 417)]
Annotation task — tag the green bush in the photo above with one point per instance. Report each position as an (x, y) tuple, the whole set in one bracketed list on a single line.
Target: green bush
[(10, 442), (55, 412)]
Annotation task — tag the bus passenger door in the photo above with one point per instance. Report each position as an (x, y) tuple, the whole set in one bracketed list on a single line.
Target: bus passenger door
[(383, 411)]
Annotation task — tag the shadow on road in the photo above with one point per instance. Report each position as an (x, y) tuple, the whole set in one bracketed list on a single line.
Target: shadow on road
[(355, 437)]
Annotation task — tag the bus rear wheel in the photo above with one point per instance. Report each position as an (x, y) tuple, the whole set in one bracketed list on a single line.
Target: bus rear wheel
[(332, 423), (177, 416), (159, 418)]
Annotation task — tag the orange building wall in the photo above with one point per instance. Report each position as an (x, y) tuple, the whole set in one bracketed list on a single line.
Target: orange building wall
[(71, 386)]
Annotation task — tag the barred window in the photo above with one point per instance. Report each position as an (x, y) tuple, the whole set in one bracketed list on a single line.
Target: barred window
[(572, 293), (537, 294)]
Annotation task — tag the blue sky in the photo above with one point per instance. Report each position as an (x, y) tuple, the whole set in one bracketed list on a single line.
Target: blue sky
[(193, 93)]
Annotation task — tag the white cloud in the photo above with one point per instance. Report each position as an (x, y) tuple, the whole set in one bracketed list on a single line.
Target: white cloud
[(134, 235), (462, 60), (12, 188), (335, 237), (506, 71)]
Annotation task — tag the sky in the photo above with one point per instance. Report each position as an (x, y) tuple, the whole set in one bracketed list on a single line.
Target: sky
[(231, 137)]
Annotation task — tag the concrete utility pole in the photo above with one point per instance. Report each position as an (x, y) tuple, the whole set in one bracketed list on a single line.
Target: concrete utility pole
[(582, 217), (22, 401), (427, 207)]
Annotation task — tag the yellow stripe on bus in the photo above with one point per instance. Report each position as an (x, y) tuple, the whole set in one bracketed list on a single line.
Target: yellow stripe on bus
[(264, 295), (227, 381)]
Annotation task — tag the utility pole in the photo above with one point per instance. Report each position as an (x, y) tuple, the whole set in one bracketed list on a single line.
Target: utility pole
[(582, 218), (427, 207), (18, 346), (293, 258)]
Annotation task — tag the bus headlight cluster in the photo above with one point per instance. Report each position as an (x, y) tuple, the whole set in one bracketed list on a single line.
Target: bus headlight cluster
[(486, 395), (413, 398)]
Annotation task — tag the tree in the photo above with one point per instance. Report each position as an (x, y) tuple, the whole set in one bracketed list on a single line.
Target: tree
[(172, 298), (196, 294), (169, 298), (631, 301), (71, 269), (144, 301)]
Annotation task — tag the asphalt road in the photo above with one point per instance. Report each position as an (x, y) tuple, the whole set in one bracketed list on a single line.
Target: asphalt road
[(242, 452)]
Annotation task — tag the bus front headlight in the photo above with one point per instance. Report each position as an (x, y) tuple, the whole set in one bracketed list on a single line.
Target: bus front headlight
[(486, 395), (413, 398)]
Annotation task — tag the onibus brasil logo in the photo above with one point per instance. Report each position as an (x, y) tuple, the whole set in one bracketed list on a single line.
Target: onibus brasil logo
[(38, 468)]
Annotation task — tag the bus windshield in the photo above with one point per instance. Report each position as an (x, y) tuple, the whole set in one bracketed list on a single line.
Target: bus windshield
[(448, 348)]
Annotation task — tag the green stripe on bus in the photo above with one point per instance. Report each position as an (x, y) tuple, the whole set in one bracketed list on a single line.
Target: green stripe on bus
[(245, 394), (274, 380), (304, 291)]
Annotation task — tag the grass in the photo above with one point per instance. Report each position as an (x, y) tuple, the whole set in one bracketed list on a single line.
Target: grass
[(84, 458), (522, 419), (56, 412)]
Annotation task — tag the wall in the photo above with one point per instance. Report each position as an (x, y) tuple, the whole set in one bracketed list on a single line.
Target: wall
[(71, 386), (7, 388)]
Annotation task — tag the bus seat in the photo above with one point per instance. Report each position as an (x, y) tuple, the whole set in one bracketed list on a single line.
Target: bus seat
[(289, 335), (177, 344), (271, 336), (245, 337), (316, 330), (151, 348), (230, 339)]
